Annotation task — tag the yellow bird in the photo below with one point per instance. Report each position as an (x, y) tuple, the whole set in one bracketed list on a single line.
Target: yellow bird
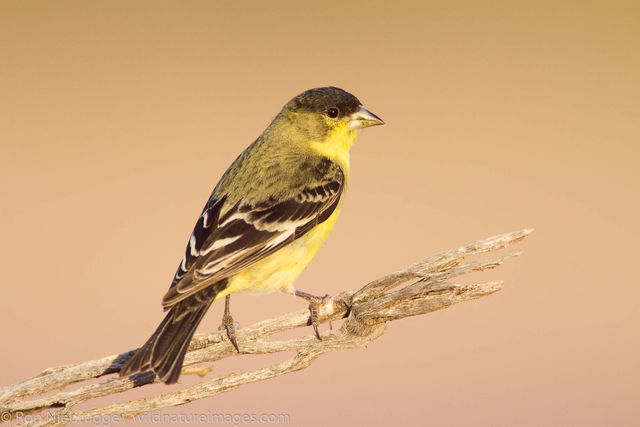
[(264, 222)]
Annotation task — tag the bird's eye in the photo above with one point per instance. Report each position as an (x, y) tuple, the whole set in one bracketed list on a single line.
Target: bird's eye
[(333, 112)]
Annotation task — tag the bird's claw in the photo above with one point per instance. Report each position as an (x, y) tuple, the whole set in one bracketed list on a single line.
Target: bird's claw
[(230, 325), (314, 309)]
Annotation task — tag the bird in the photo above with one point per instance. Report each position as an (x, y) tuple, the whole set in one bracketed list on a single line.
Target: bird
[(265, 220)]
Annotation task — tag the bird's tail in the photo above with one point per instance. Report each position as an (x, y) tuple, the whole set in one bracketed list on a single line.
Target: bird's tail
[(164, 352)]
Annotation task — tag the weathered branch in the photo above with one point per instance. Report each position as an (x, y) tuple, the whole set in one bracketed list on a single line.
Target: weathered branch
[(427, 288)]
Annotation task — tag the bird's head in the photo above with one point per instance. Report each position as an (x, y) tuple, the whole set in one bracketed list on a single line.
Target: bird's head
[(327, 118)]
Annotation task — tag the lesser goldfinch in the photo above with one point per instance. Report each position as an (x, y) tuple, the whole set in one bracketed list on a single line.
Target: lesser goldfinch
[(264, 222)]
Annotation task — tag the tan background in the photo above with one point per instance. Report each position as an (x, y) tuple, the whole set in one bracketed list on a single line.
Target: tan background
[(117, 119)]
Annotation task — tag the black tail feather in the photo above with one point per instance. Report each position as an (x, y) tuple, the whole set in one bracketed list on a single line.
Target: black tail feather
[(165, 350)]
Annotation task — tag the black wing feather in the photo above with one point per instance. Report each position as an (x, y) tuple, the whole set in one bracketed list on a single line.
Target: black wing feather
[(222, 245)]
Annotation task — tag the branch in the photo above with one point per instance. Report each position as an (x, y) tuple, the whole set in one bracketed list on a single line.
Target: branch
[(426, 288)]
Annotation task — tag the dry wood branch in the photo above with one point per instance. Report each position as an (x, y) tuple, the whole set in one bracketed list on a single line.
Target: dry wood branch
[(426, 288)]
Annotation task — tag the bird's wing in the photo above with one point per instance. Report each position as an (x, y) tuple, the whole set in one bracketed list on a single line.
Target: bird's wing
[(222, 245)]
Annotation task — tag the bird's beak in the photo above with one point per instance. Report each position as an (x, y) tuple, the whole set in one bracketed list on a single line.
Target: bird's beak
[(363, 118)]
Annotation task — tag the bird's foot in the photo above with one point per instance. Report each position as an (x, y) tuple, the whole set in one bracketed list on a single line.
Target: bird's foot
[(229, 324), (314, 308)]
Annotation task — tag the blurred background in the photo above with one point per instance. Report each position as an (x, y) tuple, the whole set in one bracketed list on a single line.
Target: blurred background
[(118, 118)]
